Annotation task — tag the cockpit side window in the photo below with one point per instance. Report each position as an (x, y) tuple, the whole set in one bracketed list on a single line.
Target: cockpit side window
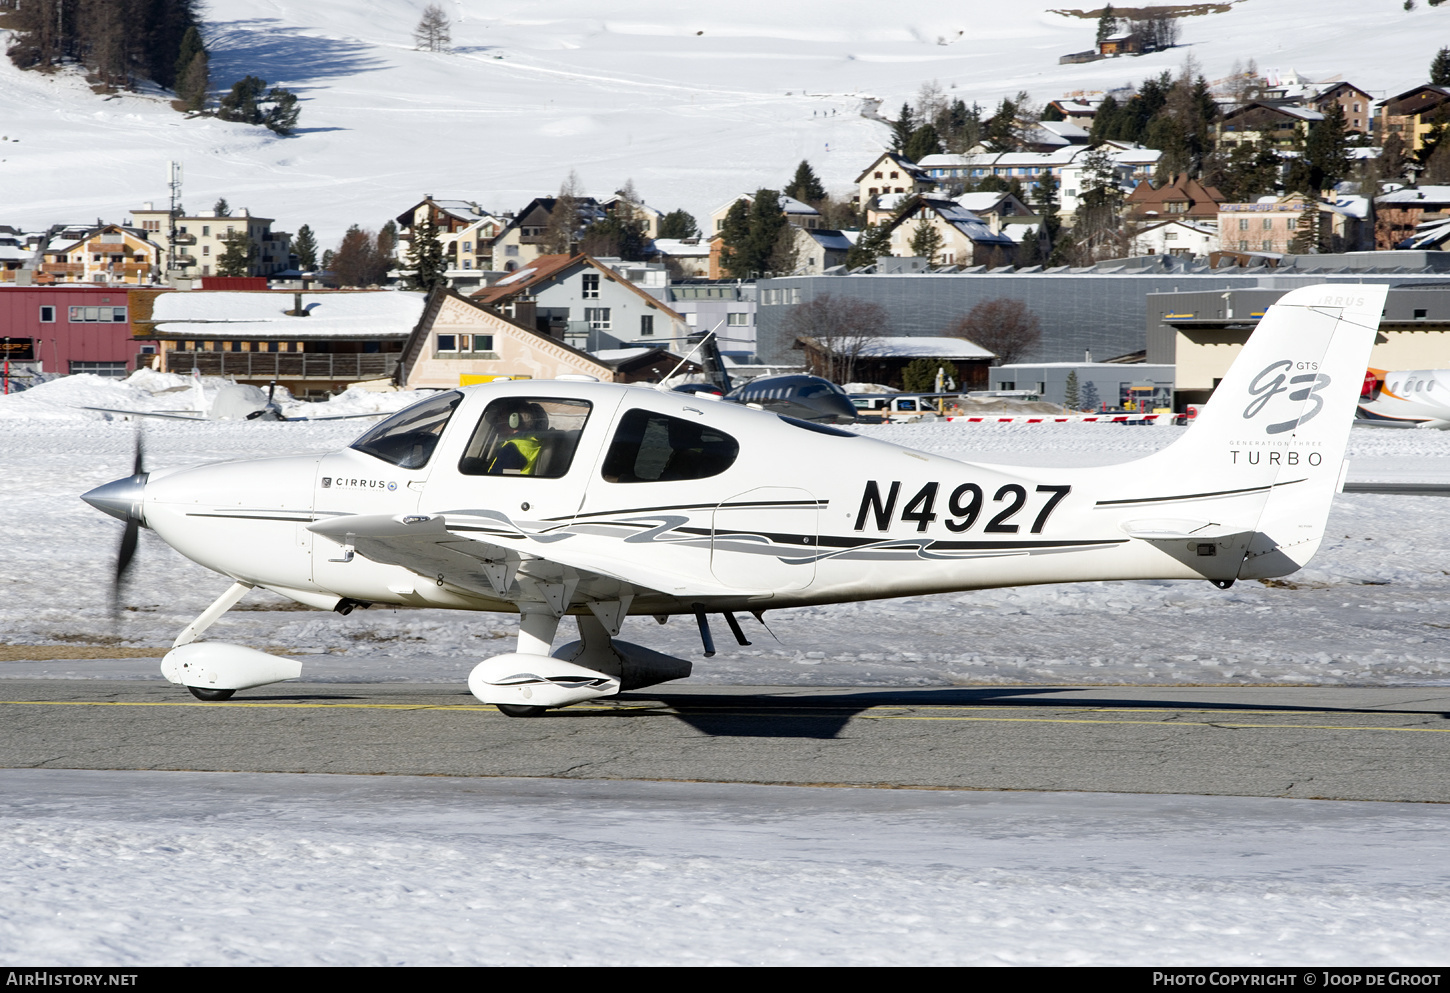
[(407, 439), (525, 436), (650, 447)]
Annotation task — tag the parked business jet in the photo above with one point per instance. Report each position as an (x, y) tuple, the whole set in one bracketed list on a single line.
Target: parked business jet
[(598, 501), (1414, 397)]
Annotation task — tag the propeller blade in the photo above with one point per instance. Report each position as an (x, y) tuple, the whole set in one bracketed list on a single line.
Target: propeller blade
[(129, 537)]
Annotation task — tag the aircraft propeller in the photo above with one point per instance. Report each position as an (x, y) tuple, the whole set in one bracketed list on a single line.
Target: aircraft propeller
[(122, 500)]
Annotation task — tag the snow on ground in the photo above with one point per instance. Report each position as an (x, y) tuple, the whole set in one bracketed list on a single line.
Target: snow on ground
[(148, 868), (695, 102), (1369, 610)]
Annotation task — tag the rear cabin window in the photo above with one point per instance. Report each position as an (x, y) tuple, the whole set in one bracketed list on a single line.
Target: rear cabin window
[(407, 439), (651, 447), (525, 436)]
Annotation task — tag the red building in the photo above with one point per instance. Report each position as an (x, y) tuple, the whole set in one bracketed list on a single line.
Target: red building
[(70, 329)]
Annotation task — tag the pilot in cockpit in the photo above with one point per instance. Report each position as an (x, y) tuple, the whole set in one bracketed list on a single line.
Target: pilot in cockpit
[(518, 427)]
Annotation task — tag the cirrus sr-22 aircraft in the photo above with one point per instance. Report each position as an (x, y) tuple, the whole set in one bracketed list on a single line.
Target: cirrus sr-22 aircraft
[(598, 501)]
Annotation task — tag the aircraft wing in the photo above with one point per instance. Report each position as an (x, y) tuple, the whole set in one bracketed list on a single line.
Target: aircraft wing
[(341, 417), (523, 566), (149, 413)]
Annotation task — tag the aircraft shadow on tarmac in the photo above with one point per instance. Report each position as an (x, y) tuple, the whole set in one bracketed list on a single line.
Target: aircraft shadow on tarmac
[(825, 715)]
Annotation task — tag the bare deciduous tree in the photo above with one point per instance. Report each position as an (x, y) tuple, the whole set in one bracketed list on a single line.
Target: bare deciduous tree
[(432, 33), (1002, 326), (841, 328)]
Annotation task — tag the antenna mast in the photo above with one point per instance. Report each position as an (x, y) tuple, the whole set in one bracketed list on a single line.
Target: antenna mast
[(173, 181)]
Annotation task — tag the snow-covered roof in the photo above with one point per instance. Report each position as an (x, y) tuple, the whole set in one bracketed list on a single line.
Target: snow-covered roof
[(1065, 129), (683, 247), (790, 205), (1424, 196), (978, 202), (14, 252), (1020, 231), (379, 314), (965, 221), (918, 347), (892, 201), (830, 240)]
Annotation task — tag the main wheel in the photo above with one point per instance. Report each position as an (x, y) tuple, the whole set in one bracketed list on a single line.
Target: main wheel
[(520, 710), (204, 694)]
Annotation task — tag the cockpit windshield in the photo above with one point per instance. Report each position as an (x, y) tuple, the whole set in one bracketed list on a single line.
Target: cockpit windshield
[(407, 439)]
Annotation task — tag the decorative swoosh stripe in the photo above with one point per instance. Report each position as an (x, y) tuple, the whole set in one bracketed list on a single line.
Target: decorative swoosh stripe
[(1194, 496)]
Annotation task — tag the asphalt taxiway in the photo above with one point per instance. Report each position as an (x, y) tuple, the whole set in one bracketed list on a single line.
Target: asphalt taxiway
[(1335, 743)]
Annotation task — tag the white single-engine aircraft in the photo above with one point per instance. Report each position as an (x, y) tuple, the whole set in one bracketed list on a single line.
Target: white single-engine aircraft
[(599, 501)]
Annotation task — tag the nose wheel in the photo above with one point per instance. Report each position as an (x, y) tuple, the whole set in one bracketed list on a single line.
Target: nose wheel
[(514, 709), (205, 694)]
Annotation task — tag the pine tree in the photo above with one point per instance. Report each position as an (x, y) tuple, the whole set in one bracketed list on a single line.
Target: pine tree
[(767, 223), (1440, 68), (221, 208), (237, 259), (281, 116), (926, 240), (1071, 396), (1090, 399), (873, 242), (805, 187), (1326, 151), (241, 103), (924, 141), (191, 47), (679, 224), (902, 128), (425, 256), (734, 232), (1107, 24), (304, 246), (1306, 231), (432, 33), (192, 84)]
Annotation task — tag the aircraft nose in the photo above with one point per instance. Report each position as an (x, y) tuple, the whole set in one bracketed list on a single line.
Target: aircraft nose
[(120, 498)]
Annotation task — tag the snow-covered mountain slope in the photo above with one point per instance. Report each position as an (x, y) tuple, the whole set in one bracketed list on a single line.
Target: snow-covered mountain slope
[(694, 101)]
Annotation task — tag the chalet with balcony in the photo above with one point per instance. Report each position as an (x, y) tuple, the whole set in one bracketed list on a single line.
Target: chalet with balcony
[(109, 253), (525, 237), (1282, 125), (315, 344), (1412, 113), (1357, 105), (465, 230), (201, 241)]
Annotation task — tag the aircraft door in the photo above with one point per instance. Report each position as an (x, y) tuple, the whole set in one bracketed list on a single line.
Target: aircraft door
[(766, 539), (527, 458)]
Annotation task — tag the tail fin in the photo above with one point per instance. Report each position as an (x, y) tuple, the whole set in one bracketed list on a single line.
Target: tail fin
[(1266, 453)]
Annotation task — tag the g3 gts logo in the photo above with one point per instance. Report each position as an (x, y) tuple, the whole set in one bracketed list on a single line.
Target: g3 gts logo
[(1269, 383)]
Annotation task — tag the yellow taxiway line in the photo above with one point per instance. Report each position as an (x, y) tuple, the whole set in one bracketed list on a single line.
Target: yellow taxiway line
[(869, 713)]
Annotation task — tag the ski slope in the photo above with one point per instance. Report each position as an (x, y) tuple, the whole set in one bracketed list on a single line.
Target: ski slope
[(694, 102)]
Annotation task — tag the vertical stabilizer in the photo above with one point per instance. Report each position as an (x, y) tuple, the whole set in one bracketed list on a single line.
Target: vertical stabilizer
[(1265, 453)]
